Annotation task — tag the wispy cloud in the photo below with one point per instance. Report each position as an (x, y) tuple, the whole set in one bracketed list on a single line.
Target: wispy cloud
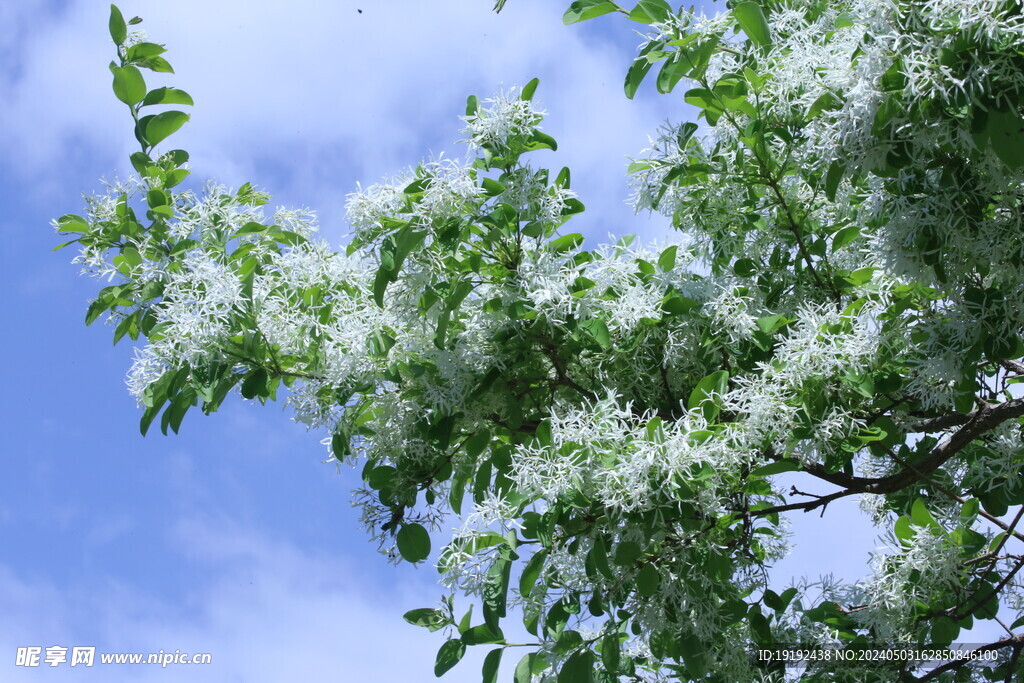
[(308, 97), (266, 610)]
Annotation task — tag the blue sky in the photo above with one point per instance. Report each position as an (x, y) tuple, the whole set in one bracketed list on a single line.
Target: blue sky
[(235, 538)]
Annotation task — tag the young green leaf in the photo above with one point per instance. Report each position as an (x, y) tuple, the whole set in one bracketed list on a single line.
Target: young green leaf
[(167, 96), (529, 89), (118, 29), (431, 619), (163, 125), (129, 85)]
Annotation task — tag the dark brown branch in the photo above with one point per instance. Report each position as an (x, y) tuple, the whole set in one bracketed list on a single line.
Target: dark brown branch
[(1013, 366), (1014, 641), (806, 506), (979, 422), (935, 424), (978, 602), (794, 228), (563, 378), (1008, 528)]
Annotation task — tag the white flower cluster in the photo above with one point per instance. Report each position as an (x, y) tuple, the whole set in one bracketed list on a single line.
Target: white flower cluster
[(913, 123), (527, 193), (823, 346), (505, 116), (931, 567)]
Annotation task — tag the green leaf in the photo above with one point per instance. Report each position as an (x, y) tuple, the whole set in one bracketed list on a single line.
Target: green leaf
[(744, 267), (492, 188), (449, 655), (562, 180), (72, 223), (341, 446), (118, 29), (861, 276), (672, 71), (129, 85), (568, 641), (944, 630), (667, 260), (432, 619), (524, 669), (970, 510), (826, 102), (579, 668), (708, 392), (465, 620), (599, 555), (482, 634), (598, 331), (255, 383), (627, 553), (922, 516), (773, 601), (491, 663), (566, 243), (140, 51), (158, 64), (528, 579), (413, 543), (701, 97), (495, 593), (380, 285), (1006, 130), (175, 177), (684, 134), (760, 629), (163, 125), (648, 580), (635, 76), (175, 412), (610, 652), (679, 305), (844, 237), (650, 11), (751, 20), (904, 530), (581, 10), (539, 140), (529, 89), (777, 467), (769, 323), (833, 177), (167, 96)]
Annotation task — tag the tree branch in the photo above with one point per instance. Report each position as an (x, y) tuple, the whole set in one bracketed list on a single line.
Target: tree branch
[(1014, 641), (978, 422), (1013, 366), (806, 506)]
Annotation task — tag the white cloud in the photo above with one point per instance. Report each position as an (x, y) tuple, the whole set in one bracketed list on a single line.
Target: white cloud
[(309, 97), (266, 611)]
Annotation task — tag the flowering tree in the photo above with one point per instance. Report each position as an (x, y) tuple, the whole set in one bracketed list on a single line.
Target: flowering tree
[(608, 426)]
